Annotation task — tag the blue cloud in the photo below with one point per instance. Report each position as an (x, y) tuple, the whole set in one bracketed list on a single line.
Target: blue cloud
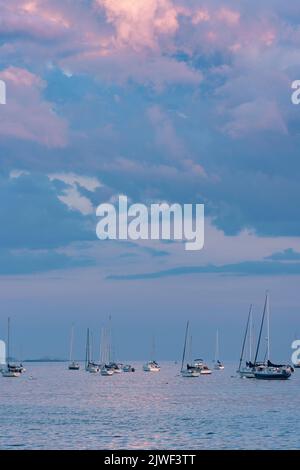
[(31, 262), (247, 268), (286, 255), (32, 216)]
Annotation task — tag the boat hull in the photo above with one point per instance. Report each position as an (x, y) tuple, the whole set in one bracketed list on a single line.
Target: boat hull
[(272, 376), (106, 372), (190, 373), (10, 374), (151, 367)]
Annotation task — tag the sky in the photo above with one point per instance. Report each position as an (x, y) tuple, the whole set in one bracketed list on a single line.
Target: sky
[(180, 101)]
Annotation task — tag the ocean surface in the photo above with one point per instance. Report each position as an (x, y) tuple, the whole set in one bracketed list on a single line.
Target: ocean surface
[(50, 407)]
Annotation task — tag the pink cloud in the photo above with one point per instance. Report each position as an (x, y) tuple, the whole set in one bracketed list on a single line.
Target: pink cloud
[(27, 115), (200, 16), (231, 17), (258, 115), (139, 24), (152, 70), (35, 18)]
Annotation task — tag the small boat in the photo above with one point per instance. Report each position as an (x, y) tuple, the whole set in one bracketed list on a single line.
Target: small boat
[(106, 372), (200, 366), (128, 368), (116, 368), (72, 364), (219, 366), (92, 368), (10, 373), (297, 365), (246, 372), (198, 363), (189, 371), (151, 366), (11, 370), (217, 363), (205, 370)]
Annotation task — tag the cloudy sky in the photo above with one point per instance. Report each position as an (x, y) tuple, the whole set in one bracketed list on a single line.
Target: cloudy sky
[(184, 101)]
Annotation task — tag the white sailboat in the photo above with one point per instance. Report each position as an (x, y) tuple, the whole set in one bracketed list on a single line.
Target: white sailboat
[(107, 368), (90, 366), (11, 370), (152, 366), (267, 370), (2, 355), (72, 364), (217, 363), (188, 371), (246, 371)]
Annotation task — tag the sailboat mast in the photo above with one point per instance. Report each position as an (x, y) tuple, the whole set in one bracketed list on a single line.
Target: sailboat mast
[(190, 349), (245, 337), (87, 348), (71, 343), (109, 342), (217, 346), (261, 328), (153, 348), (92, 348), (184, 348), (8, 340), (250, 336), (268, 326)]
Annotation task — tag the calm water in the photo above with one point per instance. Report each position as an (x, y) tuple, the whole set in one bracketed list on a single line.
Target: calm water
[(53, 408)]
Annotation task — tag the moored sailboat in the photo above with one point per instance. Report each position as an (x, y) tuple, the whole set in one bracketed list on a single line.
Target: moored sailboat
[(90, 366), (107, 367), (217, 363), (73, 365), (246, 371), (152, 366), (11, 370), (188, 371), (267, 370)]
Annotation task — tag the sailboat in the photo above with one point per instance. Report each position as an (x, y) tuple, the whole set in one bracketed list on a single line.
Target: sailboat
[(218, 364), (247, 370), (128, 368), (72, 364), (151, 366), (189, 371), (90, 366), (107, 368), (267, 370), (11, 370)]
